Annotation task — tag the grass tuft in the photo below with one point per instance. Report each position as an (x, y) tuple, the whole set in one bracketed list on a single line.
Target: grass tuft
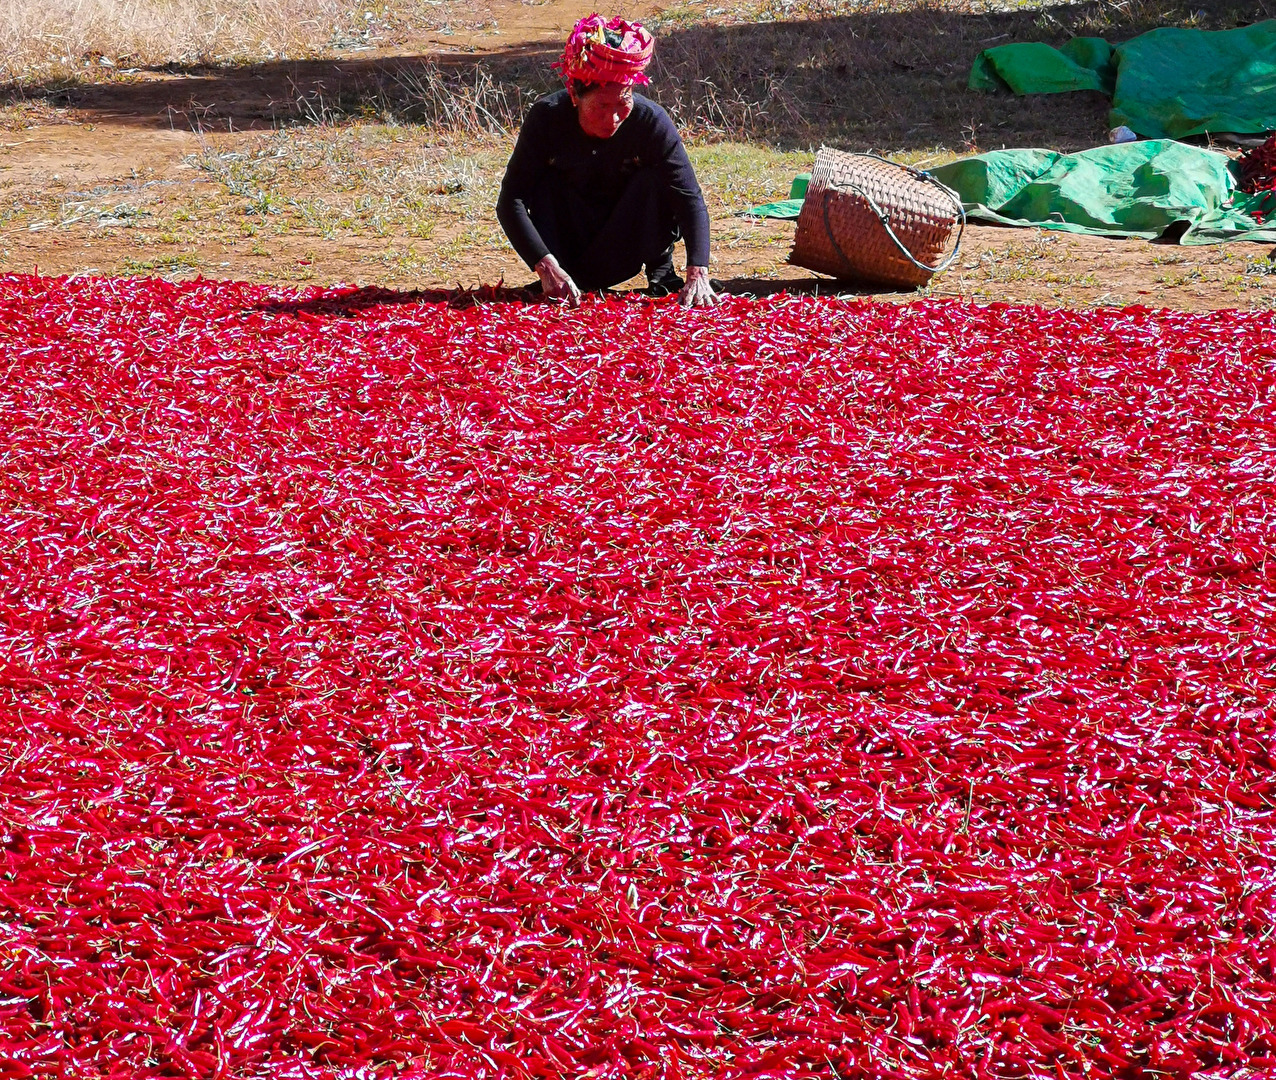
[(72, 37)]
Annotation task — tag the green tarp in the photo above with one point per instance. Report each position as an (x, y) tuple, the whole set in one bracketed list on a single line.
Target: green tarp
[(785, 208), (1167, 83), (1035, 68), (1129, 189)]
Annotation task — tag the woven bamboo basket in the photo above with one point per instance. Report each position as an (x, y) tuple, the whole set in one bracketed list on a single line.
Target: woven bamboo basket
[(871, 220)]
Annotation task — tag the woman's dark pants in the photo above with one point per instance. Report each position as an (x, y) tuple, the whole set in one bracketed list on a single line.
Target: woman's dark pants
[(601, 246)]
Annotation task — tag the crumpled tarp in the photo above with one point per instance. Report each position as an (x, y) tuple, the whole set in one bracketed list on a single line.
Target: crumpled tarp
[(1129, 189), (1142, 189), (1167, 83), (1032, 67)]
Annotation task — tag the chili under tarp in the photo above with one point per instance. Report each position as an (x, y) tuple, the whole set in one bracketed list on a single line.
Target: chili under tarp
[(1142, 189), (1167, 83)]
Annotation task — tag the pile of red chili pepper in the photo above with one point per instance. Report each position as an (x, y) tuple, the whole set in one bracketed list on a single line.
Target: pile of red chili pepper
[(807, 689), (1257, 169)]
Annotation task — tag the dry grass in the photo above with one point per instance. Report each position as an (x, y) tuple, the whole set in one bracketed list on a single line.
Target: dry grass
[(75, 39), (360, 178), (22, 115), (41, 36), (356, 179)]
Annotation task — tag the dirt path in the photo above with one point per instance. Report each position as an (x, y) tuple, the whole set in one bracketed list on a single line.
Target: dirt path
[(143, 134)]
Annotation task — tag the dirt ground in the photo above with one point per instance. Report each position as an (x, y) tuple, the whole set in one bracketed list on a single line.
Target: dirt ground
[(185, 172)]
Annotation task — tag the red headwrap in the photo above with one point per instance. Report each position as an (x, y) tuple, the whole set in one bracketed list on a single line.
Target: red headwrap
[(601, 51)]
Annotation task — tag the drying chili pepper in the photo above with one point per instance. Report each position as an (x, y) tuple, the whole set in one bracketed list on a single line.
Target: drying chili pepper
[(476, 689), (1256, 170), (1257, 167)]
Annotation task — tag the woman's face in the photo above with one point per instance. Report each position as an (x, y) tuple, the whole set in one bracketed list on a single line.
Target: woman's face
[(602, 109)]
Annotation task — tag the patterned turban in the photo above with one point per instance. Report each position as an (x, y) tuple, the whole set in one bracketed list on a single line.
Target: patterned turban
[(601, 51)]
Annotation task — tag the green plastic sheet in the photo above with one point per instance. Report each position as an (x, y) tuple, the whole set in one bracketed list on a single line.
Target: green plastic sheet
[(1142, 189), (784, 208), (1168, 83), (1036, 68)]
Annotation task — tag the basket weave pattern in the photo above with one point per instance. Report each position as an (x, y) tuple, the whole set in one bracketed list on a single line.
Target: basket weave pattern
[(839, 232)]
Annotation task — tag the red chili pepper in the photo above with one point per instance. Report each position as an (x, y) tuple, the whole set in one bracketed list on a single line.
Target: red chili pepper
[(456, 686)]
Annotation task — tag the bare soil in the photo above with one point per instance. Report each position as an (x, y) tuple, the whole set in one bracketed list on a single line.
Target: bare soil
[(113, 176)]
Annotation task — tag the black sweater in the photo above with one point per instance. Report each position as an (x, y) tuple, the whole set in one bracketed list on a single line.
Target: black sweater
[(551, 139)]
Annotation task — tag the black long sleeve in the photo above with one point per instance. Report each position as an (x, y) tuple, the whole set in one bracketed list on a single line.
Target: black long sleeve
[(551, 141), (521, 175)]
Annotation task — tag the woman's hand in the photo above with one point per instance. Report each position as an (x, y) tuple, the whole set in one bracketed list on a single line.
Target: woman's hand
[(556, 283), (697, 292)]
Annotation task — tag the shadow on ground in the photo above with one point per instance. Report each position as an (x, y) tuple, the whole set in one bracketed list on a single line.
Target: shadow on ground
[(352, 304), (756, 288), (885, 80)]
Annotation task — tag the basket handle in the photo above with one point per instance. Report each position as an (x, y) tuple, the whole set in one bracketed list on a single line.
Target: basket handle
[(885, 218)]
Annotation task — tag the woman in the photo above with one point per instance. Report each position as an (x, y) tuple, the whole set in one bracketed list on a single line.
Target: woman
[(599, 185)]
